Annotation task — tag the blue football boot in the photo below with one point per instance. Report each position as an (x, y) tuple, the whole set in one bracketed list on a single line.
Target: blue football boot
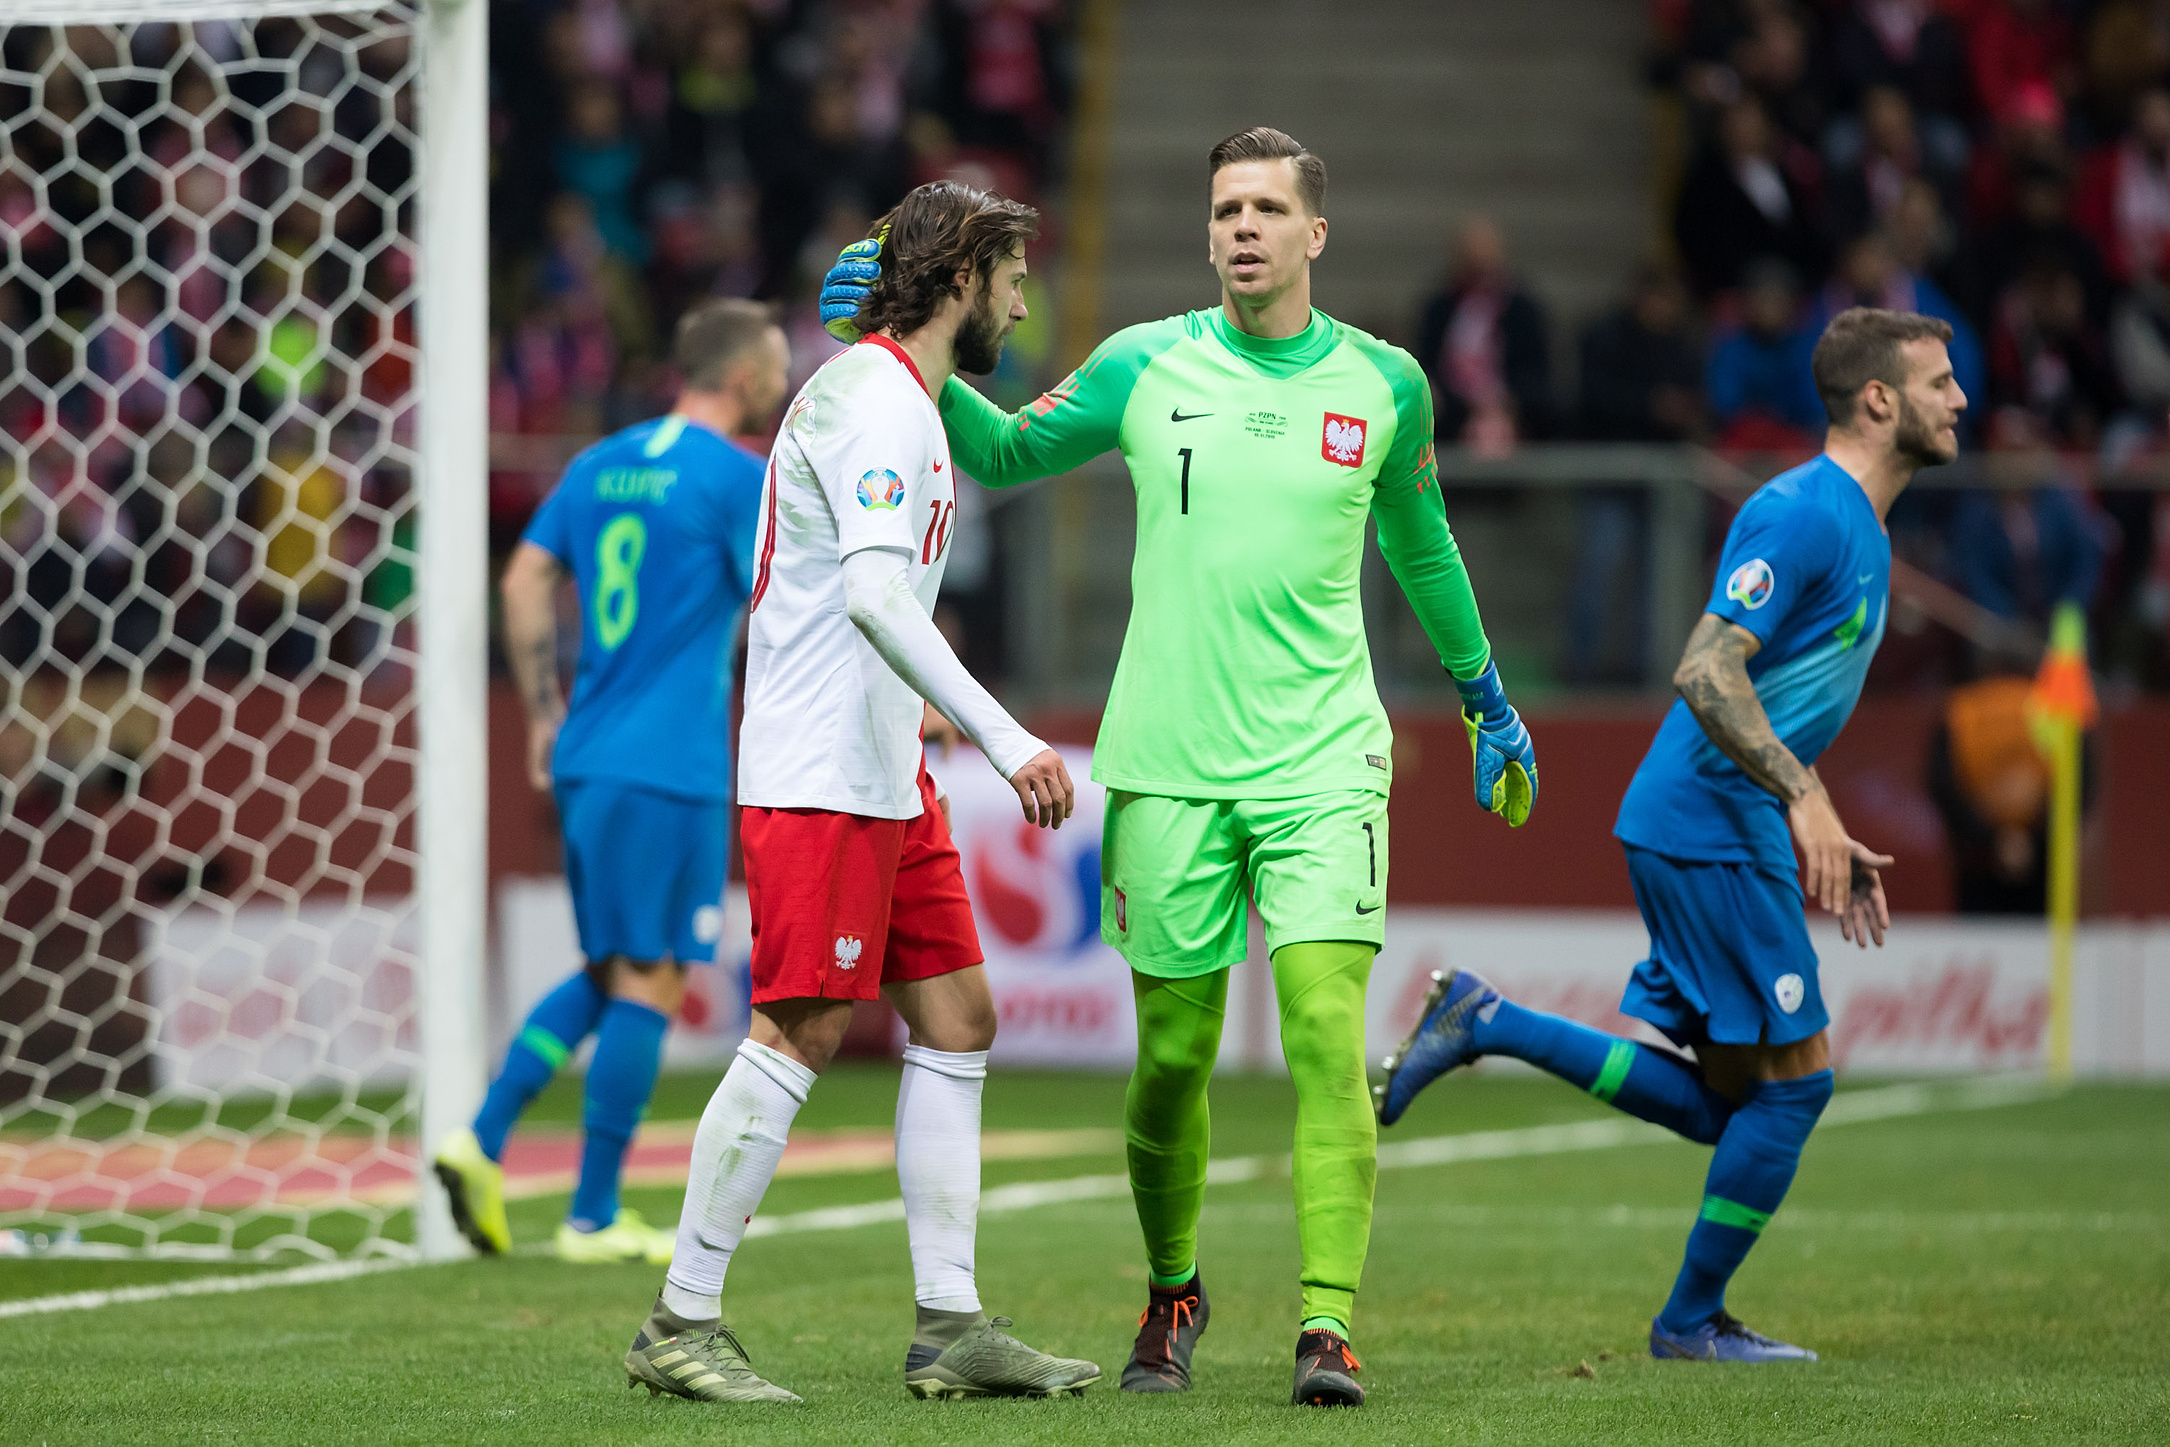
[(1443, 1040), (1723, 1339)]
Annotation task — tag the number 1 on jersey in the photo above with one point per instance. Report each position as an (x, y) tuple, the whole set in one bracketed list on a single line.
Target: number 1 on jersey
[(618, 553), (1184, 453)]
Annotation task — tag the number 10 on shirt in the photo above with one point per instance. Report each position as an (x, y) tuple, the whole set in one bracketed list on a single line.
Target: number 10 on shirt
[(937, 538)]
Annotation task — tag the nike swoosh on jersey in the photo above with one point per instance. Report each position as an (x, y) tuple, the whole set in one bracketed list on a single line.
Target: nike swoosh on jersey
[(1177, 414), (1367, 909), (1864, 577)]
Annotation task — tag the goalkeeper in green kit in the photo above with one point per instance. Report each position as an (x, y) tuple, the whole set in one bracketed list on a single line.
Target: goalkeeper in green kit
[(1244, 748)]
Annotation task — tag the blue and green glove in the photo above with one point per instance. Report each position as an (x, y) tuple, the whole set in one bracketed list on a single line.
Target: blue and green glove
[(845, 288), (1504, 758)]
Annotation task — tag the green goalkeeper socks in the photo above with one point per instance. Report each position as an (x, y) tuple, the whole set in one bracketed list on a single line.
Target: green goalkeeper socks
[(1321, 989), (1165, 1123), (1168, 1131)]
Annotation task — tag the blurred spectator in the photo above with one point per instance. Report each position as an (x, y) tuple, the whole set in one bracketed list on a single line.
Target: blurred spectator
[(600, 161), (1775, 64), (2049, 364), (300, 497), (1909, 46), (1868, 274), (1482, 339), (2020, 551), (711, 95), (699, 250), (2037, 235), (585, 281), (1762, 395), (2016, 44), (2029, 139), (1992, 788), (1873, 162), (1921, 234), (2140, 344), (1010, 99), (1642, 367), (2125, 52), (1641, 382), (1739, 204), (2124, 193)]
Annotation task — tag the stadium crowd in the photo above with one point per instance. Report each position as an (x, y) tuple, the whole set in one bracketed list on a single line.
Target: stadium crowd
[(653, 152), (2001, 164), (258, 326)]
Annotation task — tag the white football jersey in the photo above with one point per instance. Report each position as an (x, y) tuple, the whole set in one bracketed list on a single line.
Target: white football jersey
[(860, 462)]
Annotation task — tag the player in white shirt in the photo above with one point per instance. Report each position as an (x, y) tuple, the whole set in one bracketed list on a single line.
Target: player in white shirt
[(854, 882)]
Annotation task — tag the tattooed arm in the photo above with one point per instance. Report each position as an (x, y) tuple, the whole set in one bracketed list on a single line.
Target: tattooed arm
[(530, 592), (1713, 679), (1836, 872)]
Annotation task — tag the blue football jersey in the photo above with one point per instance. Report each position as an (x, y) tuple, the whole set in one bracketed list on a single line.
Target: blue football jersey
[(656, 525), (1807, 569)]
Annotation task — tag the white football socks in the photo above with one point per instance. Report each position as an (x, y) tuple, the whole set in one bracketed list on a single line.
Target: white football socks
[(938, 1166), (746, 1120)]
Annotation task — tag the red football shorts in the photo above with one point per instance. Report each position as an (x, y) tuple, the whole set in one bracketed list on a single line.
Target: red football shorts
[(843, 904)]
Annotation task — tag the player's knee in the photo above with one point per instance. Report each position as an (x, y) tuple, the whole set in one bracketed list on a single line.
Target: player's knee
[(660, 985), (1705, 1124), (967, 1027), (1322, 1037), (1172, 1061), (1810, 1093), (808, 1031)]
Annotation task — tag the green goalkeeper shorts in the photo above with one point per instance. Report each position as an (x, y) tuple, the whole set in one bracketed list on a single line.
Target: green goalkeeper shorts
[(1174, 874)]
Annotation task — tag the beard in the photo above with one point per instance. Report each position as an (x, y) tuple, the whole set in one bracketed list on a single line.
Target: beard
[(978, 347), (1918, 442)]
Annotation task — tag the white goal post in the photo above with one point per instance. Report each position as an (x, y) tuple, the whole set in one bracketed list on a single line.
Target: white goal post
[(243, 492)]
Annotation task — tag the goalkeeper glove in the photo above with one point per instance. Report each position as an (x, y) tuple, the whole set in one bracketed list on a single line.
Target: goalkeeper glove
[(845, 288), (1502, 754)]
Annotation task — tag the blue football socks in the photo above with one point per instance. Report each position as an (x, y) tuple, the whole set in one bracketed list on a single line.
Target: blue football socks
[(1749, 1174), (628, 1049), (1648, 1084), (554, 1030)]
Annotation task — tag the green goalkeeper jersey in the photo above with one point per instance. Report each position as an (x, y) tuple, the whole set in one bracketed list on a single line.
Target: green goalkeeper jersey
[(1244, 673)]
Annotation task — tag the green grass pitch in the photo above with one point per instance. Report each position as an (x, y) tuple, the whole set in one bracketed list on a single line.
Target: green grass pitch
[(1995, 1275)]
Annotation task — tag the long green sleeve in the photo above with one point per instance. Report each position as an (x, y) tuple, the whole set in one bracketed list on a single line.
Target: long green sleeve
[(1420, 548), (1412, 516), (1067, 426)]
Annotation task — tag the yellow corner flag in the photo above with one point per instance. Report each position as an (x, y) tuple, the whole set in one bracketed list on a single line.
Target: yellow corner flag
[(2060, 707)]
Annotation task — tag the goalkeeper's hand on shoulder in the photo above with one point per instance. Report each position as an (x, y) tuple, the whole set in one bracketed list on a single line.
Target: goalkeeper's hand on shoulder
[(1502, 756), (844, 290)]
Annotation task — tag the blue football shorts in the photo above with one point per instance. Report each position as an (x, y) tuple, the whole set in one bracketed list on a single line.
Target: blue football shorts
[(1730, 959), (646, 870)]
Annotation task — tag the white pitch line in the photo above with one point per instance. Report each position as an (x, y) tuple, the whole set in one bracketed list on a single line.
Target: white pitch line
[(1793, 1219), (309, 1275), (1851, 1108)]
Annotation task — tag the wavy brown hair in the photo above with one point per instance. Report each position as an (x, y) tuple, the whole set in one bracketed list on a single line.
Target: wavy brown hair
[(940, 229)]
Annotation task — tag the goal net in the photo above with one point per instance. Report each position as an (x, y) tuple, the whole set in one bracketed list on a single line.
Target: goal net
[(210, 1001)]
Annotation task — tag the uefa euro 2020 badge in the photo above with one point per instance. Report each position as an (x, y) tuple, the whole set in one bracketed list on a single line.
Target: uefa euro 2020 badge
[(1750, 586), (880, 490)]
